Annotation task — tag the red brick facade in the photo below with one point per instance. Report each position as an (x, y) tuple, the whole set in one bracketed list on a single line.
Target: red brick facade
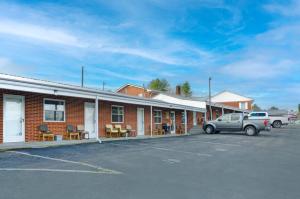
[(74, 112), (135, 91)]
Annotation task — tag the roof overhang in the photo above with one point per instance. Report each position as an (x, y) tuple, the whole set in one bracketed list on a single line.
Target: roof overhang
[(44, 87)]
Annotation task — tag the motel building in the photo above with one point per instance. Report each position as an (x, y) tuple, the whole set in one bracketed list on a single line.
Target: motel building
[(36, 110)]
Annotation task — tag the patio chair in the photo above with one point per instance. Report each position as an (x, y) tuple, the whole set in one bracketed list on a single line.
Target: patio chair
[(83, 134), (110, 131), (71, 132), (158, 130), (130, 131), (179, 130), (122, 132), (45, 133)]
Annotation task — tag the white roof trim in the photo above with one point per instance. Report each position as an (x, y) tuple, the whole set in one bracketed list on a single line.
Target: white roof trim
[(180, 101), (52, 88)]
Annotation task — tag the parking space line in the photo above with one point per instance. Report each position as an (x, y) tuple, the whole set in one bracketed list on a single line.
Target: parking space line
[(165, 149), (68, 161), (56, 170), (179, 151), (216, 143)]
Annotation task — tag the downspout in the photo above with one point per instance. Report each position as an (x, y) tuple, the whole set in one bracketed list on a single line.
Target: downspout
[(185, 122), (97, 119), (151, 128)]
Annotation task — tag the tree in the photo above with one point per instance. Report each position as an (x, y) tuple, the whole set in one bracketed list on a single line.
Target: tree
[(256, 107), (273, 108), (159, 84), (186, 89)]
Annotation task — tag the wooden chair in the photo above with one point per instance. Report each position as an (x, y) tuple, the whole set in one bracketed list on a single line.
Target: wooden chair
[(179, 130), (83, 134), (122, 132), (130, 131), (71, 132), (45, 133), (110, 131), (158, 130)]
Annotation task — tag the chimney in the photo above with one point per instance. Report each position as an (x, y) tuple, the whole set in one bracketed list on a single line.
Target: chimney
[(178, 90)]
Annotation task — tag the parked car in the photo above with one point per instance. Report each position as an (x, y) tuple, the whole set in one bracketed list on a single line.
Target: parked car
[(237, 122), (276, 121)]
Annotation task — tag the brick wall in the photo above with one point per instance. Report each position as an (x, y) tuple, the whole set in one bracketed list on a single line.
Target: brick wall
[(135, 91), (237, 104), (74, 112), (74, 108)]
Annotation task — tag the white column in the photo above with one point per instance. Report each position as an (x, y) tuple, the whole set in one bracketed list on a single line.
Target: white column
[(97, 119), (205, 119), (185, 122), (222, 110), (151, 127)]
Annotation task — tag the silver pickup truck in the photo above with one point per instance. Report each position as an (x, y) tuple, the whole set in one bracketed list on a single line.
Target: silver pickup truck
[(237, 122)]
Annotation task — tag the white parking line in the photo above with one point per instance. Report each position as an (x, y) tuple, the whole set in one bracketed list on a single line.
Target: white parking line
[(217, 143), (179, 151), (165, 149), (68, 161), (55, 170)]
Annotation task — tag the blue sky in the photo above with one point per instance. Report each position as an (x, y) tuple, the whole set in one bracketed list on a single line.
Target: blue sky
[(250, 47)]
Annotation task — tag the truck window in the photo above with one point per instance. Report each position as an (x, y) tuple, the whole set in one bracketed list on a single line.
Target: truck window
[(226, 118), (261, 114), (235, 117)]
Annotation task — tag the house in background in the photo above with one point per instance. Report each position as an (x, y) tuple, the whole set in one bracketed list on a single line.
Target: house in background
[(135, 90), (223, 102), (232, 99)]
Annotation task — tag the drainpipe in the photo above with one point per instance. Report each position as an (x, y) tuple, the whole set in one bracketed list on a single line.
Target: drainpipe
[(97, 119), (185, 122), (151, 128)]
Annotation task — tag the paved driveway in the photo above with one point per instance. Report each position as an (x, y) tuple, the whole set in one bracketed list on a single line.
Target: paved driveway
[(224, 166)]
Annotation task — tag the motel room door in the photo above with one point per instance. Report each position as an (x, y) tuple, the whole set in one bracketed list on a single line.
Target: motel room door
[(14, 118), (89, 119), (140, 121), (173, 121), (195, 118)]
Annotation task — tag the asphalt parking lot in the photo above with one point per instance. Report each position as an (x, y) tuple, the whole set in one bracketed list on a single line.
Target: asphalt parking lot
[(222, 166)]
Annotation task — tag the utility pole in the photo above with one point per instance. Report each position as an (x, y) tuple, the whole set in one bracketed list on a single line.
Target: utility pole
[(103, 84), (209, 100), (82, 75)]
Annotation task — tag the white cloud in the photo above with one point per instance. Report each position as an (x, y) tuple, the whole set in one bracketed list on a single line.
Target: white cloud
[(256, 68), (37, 32), (293, 9), (8, 67)]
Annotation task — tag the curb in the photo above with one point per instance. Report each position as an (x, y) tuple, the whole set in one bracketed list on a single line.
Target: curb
[(33, 146)]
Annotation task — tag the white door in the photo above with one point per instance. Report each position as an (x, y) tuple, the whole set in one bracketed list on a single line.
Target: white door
[(140, 121), (89, 119), (195, 118), (14, 118), (173, 122)]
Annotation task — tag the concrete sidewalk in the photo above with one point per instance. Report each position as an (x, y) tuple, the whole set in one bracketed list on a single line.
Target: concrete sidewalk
[(27, 145)]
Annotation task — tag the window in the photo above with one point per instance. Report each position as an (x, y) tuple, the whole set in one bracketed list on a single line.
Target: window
[(182, 118), (258, 115), (157, 117), (243, 105), (235, 117), (54, 110), (226, 117), (117, 114)]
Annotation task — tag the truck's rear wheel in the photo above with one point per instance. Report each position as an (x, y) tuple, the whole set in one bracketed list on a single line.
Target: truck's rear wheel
[(250, 131), (277, 124), (209, 129)]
